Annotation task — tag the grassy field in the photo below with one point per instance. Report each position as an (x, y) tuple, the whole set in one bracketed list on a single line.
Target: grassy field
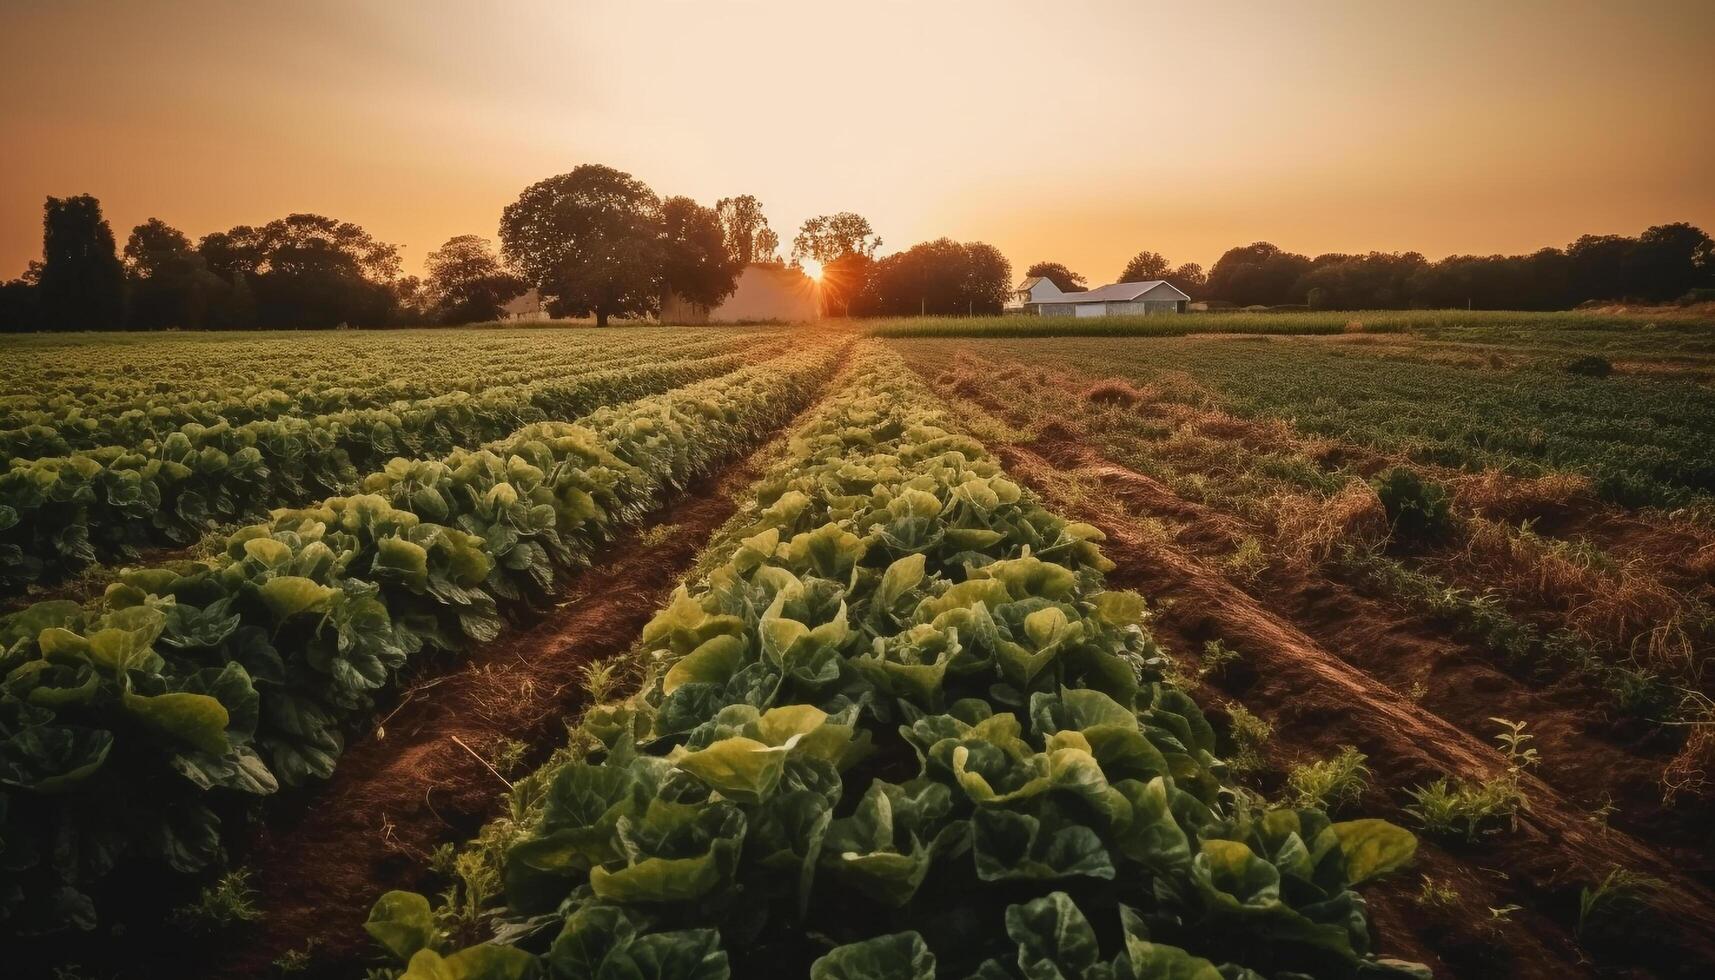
[(1277, 646), (1475, 325)]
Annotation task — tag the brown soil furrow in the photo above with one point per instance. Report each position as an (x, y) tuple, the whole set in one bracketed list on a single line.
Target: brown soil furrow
[(1556, 846)]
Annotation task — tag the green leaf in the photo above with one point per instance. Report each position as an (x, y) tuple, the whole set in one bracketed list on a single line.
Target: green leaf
[(901, 956), (713, 662), (475, 963), (289, 595), (197, 719), (1374, 847), (739, 768), (1054, 939), (402, 922)]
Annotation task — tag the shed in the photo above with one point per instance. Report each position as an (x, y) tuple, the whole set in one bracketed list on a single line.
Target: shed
[(1121, 298)]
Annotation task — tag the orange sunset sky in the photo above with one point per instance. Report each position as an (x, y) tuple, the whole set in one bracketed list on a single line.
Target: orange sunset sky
[(1074, 131)]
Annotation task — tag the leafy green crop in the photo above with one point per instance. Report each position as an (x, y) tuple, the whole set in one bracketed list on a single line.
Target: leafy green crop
[(905, 731), (60, 513), (126, 724)]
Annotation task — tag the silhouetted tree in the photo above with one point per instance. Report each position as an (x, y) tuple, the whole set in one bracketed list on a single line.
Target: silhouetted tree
[(830, 236), (1257, 274), (695, 262), (938, 277), (20, 301), (1063, 278), (305, 271), (82, 283), (745, 231), (170, 284), (1188, 279), (1670, 260), (1145, 266), (467, 283), (589, 241)]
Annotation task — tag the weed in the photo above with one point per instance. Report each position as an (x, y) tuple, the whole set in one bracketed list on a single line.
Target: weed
[(599, 680), (1436, 894), (1330, 783), (508, 756), (1217, 657), (1462, 807), (656, 536), (225, 903), (295, 961), (1418, 509), (1247, 563), (1250, 735), (1621, 893)]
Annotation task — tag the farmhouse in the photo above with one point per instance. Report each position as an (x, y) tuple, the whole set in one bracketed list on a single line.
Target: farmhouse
[(1038, 296), (767, 292)]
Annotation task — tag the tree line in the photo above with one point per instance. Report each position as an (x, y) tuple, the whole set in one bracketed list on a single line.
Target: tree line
[(1664, 264), (597, 242)]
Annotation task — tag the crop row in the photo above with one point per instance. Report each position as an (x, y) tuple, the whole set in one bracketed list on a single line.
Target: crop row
[(128, 726), (903, 730), (115, 413), (58, 514)]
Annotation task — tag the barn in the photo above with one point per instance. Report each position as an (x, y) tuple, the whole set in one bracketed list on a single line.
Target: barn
[(1040, 297), (767, 292)]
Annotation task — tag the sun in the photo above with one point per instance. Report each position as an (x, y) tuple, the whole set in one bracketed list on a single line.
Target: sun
[(811, 268)]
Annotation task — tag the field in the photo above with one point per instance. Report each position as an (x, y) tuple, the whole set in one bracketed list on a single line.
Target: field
[(1250, 645)]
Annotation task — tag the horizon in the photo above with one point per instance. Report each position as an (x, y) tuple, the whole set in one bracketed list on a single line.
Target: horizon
[(421, 124)]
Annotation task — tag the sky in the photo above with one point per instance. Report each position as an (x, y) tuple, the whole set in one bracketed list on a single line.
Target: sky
[(1080, 132)]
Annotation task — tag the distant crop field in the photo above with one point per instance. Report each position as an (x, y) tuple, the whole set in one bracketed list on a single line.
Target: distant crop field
[(1471, 324)]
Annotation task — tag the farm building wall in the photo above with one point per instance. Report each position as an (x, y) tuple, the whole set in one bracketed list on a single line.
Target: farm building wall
[(763, 293)]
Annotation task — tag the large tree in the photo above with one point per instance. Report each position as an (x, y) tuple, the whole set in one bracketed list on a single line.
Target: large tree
[(828, 237), (466, 282), (1258, 274), (695, 262), (1188, 278), (745, 230), (1063, 278), (1146, 266), (170, 283), (82, 282), (938, 277), (308, 271), (1670, 260), (589, 241)]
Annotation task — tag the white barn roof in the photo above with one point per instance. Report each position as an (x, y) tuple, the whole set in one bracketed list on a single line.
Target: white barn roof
[(1122, 292)]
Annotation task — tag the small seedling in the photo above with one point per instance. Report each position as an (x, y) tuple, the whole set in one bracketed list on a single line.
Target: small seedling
[(1521, 755)]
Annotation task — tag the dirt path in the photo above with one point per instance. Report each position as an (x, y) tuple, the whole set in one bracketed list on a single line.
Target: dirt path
[(1313, 695)]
